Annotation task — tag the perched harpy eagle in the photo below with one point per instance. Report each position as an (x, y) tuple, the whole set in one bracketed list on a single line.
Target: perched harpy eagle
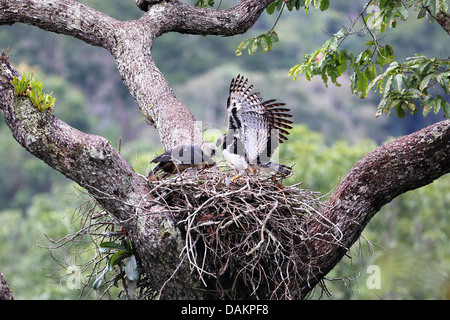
[(183, 157), (255, 129)]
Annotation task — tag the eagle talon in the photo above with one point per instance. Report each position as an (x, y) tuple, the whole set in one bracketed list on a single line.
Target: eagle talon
[(236, 177)]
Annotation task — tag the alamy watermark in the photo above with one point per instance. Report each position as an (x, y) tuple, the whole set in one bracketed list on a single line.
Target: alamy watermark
[(74, 278), (374, 279)]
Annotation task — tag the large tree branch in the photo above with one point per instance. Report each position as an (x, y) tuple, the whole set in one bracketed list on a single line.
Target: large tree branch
[(92, 162), (62, 16), (181, 17), (442, 17), (404, 164), (174, 122), (130, 43)]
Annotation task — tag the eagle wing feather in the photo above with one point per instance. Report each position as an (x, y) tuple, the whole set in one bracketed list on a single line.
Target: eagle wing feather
[(261, 126)]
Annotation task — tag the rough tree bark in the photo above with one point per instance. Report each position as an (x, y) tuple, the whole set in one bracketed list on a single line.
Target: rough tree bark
[(90, 160), (443, 18), (5, 291)]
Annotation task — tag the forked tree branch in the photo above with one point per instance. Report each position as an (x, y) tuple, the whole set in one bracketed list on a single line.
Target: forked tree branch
[(392, 169), (130, 43), (92, 162), (405, 164)]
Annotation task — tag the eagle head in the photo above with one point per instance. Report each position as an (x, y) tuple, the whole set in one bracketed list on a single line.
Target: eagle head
[(209, 151)]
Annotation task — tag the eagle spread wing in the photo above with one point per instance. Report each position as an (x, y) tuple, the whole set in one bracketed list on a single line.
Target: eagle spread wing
[(255, 128), (183, 157)]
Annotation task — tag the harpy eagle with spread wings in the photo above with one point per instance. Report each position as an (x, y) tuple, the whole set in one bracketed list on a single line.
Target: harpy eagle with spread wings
[(255, 129)]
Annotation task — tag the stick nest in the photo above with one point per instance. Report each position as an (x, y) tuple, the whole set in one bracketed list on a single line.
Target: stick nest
[(241, 237)]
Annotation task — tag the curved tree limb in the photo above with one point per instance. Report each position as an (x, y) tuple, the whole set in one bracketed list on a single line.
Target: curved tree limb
[(92, 162), (130, 43), (62, 16), (184, 18), (390, 170)]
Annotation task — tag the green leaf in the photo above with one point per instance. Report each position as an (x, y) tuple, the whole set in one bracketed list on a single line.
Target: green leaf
[(112, 245), (397, 84), (342, 66), (359, 57), (386, 85), (375, 82), (433, 5), (381, 107), (118, 277), (425, 81), (424, 67), (98, 282), (444, 81), (426, 108), (375, 21), (362, 85), (204, 3), (402, 12), (324, 4), (385, 54), (116, 257), (253, 47), (422, 13), (273, 36), (371, 72), (437, 105), (445, 106), (271, 8), (389, 52), (244, 44), (348, 54), (324, 76), (399, 109), (264, 43)]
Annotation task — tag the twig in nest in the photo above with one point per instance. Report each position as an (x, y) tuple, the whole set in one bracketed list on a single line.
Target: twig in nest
[(263, 229)]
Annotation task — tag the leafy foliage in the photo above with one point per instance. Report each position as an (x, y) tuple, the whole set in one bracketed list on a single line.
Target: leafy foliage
[(204, 3), (265, 41), (262, 43), (27, 86), (403, 86), (117, 253), (297, 4)]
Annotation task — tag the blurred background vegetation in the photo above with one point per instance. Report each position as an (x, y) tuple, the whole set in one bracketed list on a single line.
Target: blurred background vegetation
[(408, 239)]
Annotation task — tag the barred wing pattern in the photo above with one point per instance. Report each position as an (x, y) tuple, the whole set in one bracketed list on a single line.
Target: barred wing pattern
[(261, 126)]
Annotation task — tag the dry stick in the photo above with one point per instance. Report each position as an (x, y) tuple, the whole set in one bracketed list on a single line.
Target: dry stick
[(263, 229)]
